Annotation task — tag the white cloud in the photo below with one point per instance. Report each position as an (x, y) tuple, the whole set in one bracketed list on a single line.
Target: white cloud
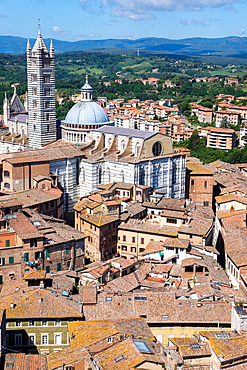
[(191, 22), (56, 29), (152, 5), (142, 9), (137, 16), (242, 31)]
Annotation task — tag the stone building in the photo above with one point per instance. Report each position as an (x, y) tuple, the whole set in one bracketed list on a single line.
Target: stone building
[(29, 240), (200, 182), (38, 323)]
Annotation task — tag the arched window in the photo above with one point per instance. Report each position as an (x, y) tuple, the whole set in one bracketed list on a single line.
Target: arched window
[(34, 127), (6, 173), (108, 175), (7, 185), (137, 149), (22, 131), (48, 128), (109, 142), (122, 144)]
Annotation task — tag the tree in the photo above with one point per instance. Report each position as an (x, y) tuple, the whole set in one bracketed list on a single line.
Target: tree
[(194, 141), (224, 123), (185, 108)]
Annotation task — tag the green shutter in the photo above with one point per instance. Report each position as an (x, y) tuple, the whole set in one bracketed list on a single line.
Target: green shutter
[(26, 257), (7, 243), (47, 253), (59, 266), (11, 260), (66, 251), (47, 269)]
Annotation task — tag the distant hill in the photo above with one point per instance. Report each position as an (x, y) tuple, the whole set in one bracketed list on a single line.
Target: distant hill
[(198, 46)]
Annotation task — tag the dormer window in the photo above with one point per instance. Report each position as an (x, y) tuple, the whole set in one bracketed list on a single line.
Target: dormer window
[(157, 149)]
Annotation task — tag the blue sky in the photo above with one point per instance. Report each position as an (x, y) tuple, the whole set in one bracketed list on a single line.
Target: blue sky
[(74, 20)]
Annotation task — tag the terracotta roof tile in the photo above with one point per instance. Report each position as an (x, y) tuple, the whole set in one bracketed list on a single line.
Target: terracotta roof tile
[(40, 304), (158, 306), (21, 361), (187, 349)]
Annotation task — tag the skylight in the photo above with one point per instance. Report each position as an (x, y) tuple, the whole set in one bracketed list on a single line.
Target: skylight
[(37, 223), (142, 346), (118, 358), (138, 298), (223, 335), (195, 345)]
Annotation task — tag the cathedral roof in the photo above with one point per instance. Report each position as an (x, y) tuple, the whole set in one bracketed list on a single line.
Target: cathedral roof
[(86, 113), (129, 132), (16, 105)]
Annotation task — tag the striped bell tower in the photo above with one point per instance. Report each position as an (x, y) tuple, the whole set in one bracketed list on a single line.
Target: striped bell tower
[(41, 93)]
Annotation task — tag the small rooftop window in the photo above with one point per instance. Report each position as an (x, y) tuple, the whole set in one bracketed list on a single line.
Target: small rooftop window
[(37, 223), (223, 336), (119, 358), (138, 298), (195, 345), (165, 316), (142, 346), (108, 299)]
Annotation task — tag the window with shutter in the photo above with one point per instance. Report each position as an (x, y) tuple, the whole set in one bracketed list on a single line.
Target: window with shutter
[(26, 257)]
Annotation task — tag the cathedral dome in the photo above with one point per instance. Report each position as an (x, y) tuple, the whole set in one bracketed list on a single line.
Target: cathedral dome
[(83, 117), (86, 113)]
